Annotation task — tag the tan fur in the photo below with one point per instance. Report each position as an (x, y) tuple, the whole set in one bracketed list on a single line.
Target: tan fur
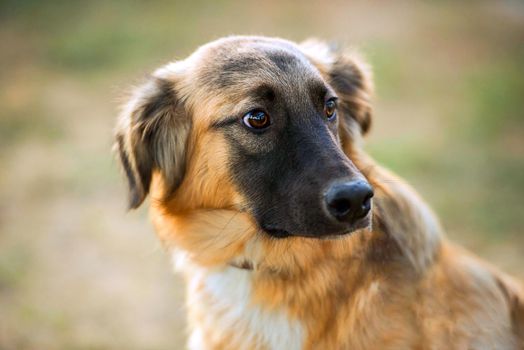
[(400, 285)]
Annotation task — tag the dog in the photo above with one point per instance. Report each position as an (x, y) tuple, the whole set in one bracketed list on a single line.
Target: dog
[(289, 236)]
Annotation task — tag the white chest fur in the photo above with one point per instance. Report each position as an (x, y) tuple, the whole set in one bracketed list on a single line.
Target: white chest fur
[(221, 301)]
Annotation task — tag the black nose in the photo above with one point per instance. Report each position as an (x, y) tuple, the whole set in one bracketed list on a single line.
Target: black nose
[(349, 201)]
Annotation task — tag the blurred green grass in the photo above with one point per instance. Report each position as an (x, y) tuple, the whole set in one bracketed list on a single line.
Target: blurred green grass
[(76, 272)]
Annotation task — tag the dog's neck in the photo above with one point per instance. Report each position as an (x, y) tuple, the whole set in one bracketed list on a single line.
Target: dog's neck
[(243, 265)]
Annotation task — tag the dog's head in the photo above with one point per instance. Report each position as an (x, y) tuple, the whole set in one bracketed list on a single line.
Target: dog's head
[(258, 125)]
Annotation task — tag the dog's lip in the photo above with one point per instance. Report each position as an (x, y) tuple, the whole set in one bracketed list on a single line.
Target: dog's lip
[(281, 233), (275, 232)]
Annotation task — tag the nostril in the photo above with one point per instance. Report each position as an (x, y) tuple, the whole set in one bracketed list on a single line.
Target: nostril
[(340, 207), (365, 207)]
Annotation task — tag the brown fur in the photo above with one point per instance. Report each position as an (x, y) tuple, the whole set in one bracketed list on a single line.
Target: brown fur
[(400, 285)]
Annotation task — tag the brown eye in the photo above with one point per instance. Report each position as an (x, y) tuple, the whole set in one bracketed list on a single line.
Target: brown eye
[(330, 109), (257, 120)]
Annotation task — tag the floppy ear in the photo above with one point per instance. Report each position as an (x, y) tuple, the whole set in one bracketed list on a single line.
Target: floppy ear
[(350, 76), (151, 136)]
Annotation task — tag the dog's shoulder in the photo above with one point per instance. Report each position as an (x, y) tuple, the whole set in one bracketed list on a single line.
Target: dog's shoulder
[(473, 301)]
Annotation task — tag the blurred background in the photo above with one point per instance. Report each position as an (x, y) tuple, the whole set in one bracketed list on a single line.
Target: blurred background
[(79, 272)]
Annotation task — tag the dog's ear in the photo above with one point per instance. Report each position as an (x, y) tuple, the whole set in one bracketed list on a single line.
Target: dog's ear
[(350, 76), (151, 136)]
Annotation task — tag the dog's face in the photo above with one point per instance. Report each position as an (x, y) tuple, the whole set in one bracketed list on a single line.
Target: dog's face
[(256, 125)]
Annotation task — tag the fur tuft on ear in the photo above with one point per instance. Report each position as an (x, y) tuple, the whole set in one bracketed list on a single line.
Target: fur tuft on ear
[(151, 136), (349, 75)]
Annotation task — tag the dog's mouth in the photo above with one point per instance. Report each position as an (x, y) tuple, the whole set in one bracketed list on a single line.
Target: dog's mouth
[(277, 232)]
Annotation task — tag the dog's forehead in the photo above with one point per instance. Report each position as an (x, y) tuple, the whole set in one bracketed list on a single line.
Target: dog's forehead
[(245, 61)]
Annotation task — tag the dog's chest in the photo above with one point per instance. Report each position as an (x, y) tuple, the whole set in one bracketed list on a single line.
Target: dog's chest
[(221, 313)]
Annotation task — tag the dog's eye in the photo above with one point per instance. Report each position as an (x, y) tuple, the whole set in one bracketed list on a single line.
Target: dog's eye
[(257, 120), (330, 109)]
